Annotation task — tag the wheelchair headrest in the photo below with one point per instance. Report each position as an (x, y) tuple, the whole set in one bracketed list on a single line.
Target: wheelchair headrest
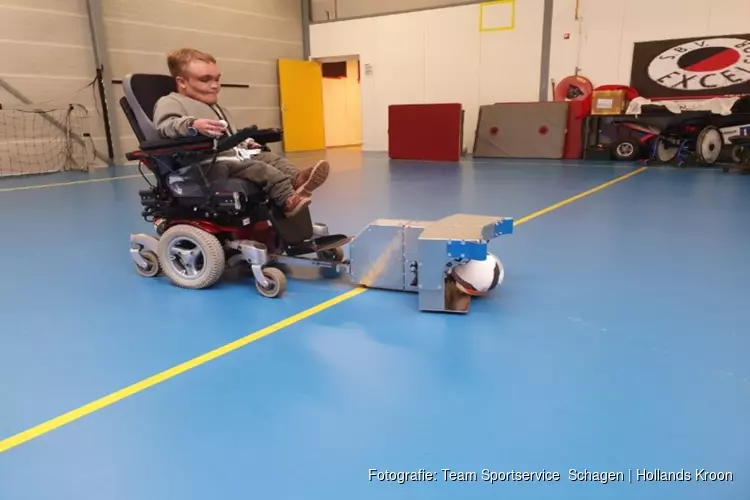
[(142, 91)]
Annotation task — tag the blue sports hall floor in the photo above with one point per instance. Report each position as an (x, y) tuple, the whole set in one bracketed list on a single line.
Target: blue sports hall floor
[(618, 343)]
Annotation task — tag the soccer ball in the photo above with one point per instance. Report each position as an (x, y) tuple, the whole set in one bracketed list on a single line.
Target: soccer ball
[(478, 277)]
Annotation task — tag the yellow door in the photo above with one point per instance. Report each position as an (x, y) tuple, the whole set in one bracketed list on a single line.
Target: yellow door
[(301, 96)]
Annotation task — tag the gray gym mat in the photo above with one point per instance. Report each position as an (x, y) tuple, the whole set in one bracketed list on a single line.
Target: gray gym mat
[(521, 130)]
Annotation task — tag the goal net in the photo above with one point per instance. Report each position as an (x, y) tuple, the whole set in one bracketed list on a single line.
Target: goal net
[(35, 139)]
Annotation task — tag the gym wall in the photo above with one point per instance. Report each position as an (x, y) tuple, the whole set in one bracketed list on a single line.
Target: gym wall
[(440, 55), (45, 54), (436, 56), (246, 36), (608, 29), (326, 10), (46, 51)]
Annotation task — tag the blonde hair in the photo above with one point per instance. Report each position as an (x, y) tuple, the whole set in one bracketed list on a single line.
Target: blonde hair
[(180, 58)]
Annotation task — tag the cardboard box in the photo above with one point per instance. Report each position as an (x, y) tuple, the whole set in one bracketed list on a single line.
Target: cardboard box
[(608, 102)]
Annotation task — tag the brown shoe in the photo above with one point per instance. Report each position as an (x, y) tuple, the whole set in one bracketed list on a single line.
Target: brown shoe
[(302, 176), (294, 204), (310, 179)]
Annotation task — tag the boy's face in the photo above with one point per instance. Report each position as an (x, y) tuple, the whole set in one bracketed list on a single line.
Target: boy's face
[(201, 82)]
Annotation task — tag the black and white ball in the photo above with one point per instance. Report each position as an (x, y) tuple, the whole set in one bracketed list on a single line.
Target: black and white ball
[(479, 277)]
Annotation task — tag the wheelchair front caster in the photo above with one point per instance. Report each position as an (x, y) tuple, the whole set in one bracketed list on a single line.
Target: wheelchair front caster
[(152, 269), (276, 283)]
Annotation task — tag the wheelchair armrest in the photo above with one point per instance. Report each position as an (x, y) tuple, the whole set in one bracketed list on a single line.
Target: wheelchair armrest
[(267, 135), (171, 146), (177, 144), (261, 136), (203, 143)]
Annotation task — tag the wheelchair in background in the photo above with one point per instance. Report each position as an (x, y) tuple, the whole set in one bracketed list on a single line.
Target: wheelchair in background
[(740, 154), (685, 136), (204, 227)]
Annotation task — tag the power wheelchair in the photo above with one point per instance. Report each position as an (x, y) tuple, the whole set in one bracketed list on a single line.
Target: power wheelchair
[(204, 227)]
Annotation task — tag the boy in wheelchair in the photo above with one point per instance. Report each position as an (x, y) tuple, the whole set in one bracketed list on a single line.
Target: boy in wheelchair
[(194, 110)]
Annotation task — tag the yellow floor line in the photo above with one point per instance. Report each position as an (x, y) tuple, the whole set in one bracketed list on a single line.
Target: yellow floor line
[(570, 200)]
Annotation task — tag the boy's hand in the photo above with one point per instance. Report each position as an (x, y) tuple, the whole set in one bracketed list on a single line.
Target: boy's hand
[(211, 128)]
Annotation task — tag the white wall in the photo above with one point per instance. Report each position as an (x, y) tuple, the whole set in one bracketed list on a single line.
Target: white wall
[(608, 28), (440, 55), (342, 102), (436, 56)]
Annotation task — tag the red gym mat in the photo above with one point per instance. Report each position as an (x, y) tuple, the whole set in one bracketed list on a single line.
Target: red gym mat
[(577, 113), (425, 132)]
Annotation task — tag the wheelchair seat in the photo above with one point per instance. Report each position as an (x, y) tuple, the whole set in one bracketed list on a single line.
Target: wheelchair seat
[(142, 92)]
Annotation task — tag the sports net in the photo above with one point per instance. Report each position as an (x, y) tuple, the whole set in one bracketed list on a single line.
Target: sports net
[(35, 139)]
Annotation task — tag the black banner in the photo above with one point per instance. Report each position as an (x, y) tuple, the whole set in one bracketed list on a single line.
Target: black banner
[(692, 67)]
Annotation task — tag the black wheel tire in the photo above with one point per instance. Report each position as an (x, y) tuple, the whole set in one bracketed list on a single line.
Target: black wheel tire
[(210, 257), (739, 155), (277, 282), (626, 151), (153, 268), (332, 255)]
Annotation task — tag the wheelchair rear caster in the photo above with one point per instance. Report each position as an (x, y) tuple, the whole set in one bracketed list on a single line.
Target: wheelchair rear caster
[(272, 284), (152, 268)]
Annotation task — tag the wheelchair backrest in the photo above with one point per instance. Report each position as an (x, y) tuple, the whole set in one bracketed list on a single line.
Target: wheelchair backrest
[(141, 93)]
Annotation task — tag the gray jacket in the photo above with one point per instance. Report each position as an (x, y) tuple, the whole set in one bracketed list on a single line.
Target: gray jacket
[(173, 113)]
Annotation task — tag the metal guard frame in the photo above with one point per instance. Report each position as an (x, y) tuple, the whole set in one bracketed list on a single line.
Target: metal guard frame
[(416, 256)]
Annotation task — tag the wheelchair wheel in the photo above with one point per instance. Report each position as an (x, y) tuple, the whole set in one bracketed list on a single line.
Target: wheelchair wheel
[(708, 145), (332, 255), (153, 268), (738, 154), (276, 281), (190, 257), (666, 151), (626, 150)]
